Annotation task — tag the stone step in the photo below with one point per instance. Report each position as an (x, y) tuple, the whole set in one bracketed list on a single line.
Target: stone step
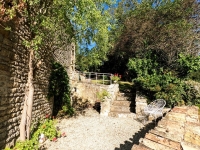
[(171, 125), (123, 98), (121, 108), (174, 116), (153, 145), (190, 113), (125, 94), (189, 146), (192, 133), (164, 141), (122, 103), (122, 114), (140, 147), (175, 136)]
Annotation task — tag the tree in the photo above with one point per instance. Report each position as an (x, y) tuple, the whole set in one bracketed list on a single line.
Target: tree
[(52, 24), (92, 29), (152, 25)]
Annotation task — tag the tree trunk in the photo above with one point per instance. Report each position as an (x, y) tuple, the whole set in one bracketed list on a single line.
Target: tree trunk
[(28, 103)]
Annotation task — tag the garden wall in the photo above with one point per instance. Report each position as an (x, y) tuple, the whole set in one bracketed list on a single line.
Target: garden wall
[(13, 78), (87, 92)]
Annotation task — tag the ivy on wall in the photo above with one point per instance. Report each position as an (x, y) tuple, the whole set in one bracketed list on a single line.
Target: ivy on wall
[(59, 89)]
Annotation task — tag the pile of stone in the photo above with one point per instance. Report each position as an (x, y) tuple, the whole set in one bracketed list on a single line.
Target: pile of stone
[(179, 129)]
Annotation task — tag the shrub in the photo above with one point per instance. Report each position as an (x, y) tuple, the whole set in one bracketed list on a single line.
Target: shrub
[(102, 94), (115, 77), (60, 89), (155, 82), (45, 127)]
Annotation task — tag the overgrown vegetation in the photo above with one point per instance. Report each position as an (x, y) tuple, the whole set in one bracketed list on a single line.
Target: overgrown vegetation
[(126, 87), (156, 47), (154, 81), (59, 89), (102, 94), (51, 25), (46, 128)]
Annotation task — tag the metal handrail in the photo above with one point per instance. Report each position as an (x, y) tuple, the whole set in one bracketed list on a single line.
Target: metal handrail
[(95, 76)]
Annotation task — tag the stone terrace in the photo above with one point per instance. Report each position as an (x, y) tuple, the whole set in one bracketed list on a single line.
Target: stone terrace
[(178, 130)]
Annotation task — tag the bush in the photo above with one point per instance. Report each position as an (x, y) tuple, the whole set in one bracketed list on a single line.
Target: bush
[(45, 127), (195, 75), (60, 89), (155, 82), (102, 94)]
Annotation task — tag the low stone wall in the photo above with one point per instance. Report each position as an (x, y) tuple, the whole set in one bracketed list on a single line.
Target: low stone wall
[(112, 89), (88, 92), (141, 103), (179, 129)]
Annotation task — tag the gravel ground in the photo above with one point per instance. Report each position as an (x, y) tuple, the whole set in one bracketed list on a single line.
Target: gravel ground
[(94, 132)]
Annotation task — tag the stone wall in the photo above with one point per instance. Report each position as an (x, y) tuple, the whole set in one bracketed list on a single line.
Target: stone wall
[(86, 91), (179, 129), (66, 57), (141, 103), (13, 78)]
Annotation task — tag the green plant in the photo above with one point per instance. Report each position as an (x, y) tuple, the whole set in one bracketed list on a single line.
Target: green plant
[(60, 89), (115, 77), (46, 127), (155, 82), (188, 64), (194, 75), (102, 94)]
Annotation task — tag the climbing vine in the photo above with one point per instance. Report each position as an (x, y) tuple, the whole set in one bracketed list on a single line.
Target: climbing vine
[(60, 89)]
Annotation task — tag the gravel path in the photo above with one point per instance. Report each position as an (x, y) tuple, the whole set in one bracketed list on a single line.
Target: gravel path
[(94, 132)]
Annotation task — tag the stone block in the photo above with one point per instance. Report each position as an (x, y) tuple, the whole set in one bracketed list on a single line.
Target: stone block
[(140, 107), (164, 141), (189, 146), (192, 133), (182, 110), (192, 118), (175, 136), (171, 124), (153, 145), (122, 103), (120, 108), (193, 110), (179, 117)]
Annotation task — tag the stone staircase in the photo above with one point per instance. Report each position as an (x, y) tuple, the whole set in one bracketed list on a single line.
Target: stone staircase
[(123, 106), (178, 130)]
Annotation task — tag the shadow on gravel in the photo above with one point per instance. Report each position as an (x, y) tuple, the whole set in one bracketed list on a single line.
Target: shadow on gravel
[(127, 145)]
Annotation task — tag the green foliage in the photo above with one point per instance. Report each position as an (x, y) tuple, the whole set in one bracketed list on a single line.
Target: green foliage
[(188, 64), (194, 75), (88, 33), (126, 87), (60, 89), (155, 82), (46, 127), (102, 94), (163, 26), (115, 77)]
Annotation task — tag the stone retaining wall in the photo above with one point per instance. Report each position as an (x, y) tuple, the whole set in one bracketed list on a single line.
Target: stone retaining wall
[(141, 103), (88, 92), (13, 78)]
